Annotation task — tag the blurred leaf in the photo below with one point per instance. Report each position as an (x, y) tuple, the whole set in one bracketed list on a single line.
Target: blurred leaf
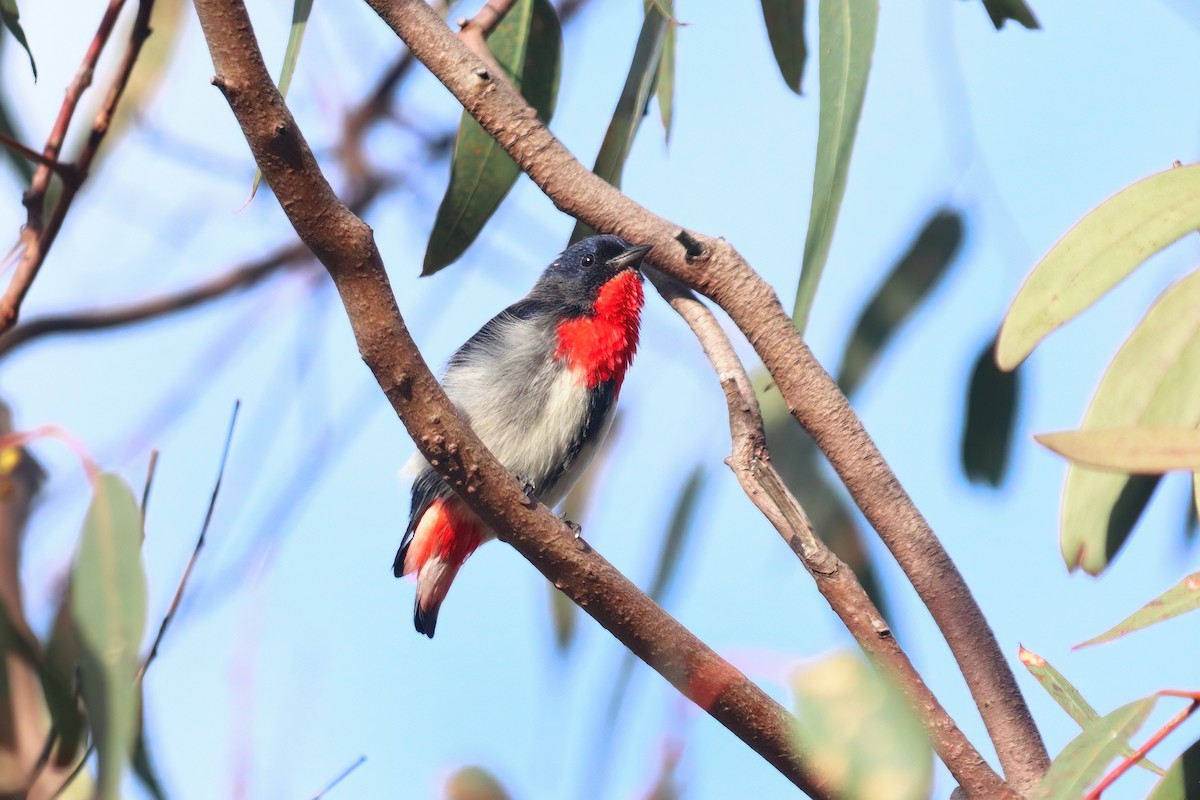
[(301, 10), (1001, 11), (167, 20), (1097, 254), (992, 403), (10, 16), (108, 604), (1069, 698), (631, 106), (8, 127), (666, 785), (1194, 516), (1150, 383), (665, 80), (143, 767), (911, 280), (1182, 781), (847, 40), (527, 44), (474, 783), (1179, 599), (1082, 762), (785, 28), (1138, 451), (62, 662), (860, 732)]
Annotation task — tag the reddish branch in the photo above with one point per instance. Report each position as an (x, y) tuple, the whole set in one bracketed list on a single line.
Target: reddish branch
[(1137, 755), (715, 269), (346, 246), (38, 234)]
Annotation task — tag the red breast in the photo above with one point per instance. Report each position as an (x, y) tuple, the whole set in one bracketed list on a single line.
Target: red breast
[(602, 345)]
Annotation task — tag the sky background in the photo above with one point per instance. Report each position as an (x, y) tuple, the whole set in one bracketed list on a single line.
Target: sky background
[(294, 652)]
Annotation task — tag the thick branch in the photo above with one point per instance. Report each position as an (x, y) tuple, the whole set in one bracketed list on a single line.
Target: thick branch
[(345, 245), (714, 268)]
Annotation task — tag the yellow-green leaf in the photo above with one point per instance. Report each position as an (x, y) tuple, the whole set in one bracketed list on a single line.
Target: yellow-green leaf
[(1069, 698), (108, 604), (527, 44), (1182, 781), (1082, 762), (847, 41), (1151, 382), (1097, 254), (1179, 599), (785, 29), (859, 731), (993, 397), (1001, 11), (1137, 451)]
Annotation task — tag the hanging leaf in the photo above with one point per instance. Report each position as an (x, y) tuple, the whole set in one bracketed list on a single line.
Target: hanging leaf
[(665, 80), (527, 44), (785, 29), (143, 767), (1069, 698), (1082, 762), (1182, 781), (1001, 11), (1098, 253), (631, 106), (993, 398), (1138, 451), (908, 284), (1179, 599), (860, 733), (301, 10), (847, 40), (11, 18), (108, 604), (1150, 383)]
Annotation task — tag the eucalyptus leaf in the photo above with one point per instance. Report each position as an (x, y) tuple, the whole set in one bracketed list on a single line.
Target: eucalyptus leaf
[(993, 398), (1179, 599), (1083, 761), (785, 29), (11, 17)]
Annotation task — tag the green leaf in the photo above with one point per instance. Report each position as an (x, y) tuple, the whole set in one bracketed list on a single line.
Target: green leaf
[(301, 10), (1069, 698), (665, 79), (911, 280), (847, 40), (143, 767), (1082, 762), (8, 126), (1001, 11), (785, 29), (1150, 383), (1138, 451), (108, 604), (1179, 599), (987, 436), (1182, 781), (860, 732), (631, 106), (527, 44), (11, 18), (62, 660), (474, 783), (1097, 254)]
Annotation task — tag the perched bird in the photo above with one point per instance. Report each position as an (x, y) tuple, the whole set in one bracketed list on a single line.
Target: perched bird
[(538, 384)]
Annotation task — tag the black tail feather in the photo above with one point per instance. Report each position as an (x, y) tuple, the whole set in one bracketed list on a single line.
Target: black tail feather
[(398, 564), (425, 620)]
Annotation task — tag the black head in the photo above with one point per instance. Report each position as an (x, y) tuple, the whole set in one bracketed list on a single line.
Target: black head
[(575, 277)]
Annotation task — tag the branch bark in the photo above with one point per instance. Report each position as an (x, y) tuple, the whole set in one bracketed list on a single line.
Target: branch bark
[(714, 268), (345, 245)]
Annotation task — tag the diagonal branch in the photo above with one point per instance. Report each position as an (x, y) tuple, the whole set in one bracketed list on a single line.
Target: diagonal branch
[(346, 246), (715, 269)]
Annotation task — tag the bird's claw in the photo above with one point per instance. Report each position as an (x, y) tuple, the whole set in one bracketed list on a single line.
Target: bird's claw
[(530, 493), (576, 530)]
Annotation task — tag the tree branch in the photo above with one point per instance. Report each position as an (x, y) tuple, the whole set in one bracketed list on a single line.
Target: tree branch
[(715, 269), (345, 245)]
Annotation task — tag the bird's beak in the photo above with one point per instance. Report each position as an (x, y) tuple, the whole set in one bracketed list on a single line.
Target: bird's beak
[(631, 258)]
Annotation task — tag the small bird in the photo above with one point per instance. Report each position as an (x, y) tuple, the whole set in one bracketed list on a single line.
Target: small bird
[(538, 384)]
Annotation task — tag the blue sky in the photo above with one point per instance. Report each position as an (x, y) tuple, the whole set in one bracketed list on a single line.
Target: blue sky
[(294, 653)]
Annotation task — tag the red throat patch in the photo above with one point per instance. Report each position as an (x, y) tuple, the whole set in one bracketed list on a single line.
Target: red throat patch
[(602, 345)]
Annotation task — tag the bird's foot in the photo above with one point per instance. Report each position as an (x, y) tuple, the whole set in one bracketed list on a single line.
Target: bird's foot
[(530, 494), (574, 526)]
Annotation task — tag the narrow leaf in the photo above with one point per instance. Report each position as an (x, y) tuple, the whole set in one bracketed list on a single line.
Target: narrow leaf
[(785, 29), (1097, 254), (1082, 762), (1179, 599), (847, 39), (631, 106), (143, 767), (11, 18), (1069, 698), (909, 283), (1150, 383), (1138, 451), (1182, 781), (108, 594), (527, 44), (993, 397), (860, 733), (665, 80), (1001, 11), (301, 10)]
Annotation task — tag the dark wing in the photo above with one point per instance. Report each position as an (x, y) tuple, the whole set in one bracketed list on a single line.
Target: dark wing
[(428, 487)]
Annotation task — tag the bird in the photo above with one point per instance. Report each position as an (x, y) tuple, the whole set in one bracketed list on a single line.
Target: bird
[(538, 384)]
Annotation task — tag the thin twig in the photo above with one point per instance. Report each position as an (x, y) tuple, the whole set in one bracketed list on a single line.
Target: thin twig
[(52, 431), (187, 572), (150, 468), (34, 156), (1137, 755), (344, 774)]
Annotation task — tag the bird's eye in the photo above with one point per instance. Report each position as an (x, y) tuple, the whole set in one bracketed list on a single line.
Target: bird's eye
[(588, 260)]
